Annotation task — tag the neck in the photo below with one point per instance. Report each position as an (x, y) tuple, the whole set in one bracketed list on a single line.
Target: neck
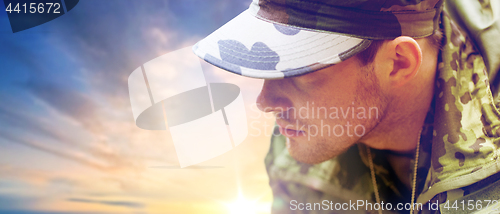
[(399, 132), (401, 141), (400, 137)]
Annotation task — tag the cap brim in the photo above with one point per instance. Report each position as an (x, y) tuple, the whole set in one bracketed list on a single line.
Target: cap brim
[(252, 47)]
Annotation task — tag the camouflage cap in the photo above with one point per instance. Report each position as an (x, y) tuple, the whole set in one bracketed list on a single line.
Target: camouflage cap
[(275, 39)]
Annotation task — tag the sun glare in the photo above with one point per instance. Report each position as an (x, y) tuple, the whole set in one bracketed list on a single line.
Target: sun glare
[(244, 206)]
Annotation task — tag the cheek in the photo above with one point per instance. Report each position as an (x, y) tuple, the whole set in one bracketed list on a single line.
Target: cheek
[(353, 106), (335, 90), (341, 93)]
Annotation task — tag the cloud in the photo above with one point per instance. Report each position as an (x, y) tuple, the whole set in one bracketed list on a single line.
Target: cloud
[(77, 105), (127, 204), (57, 152)]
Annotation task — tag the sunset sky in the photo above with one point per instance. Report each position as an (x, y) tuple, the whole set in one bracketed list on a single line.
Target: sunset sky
[(68, 140)]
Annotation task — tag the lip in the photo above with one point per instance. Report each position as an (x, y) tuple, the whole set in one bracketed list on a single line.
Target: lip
[(287, 132)]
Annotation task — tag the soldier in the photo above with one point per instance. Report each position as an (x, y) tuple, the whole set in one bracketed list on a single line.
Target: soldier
[(400, 106)]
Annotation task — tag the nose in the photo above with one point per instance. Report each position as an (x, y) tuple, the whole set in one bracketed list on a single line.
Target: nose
[(272, 97)]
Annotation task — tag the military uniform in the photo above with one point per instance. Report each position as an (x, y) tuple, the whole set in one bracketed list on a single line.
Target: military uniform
[(458, 166)]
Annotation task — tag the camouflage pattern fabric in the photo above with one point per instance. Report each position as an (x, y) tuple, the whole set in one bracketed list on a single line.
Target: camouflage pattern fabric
[(343, 179), (482, 22), (368, 19), (459, 148)]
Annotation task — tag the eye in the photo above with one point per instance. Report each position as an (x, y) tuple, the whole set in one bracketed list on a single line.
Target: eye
[(307, 82), (317, 79)]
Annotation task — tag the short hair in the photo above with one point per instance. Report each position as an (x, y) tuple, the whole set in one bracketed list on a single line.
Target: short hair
[(368, 55)]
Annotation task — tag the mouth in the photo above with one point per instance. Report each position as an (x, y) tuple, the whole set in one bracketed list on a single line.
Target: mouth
[(289, 131)]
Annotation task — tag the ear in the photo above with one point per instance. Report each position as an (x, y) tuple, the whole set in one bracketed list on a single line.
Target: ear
[(406, 56)]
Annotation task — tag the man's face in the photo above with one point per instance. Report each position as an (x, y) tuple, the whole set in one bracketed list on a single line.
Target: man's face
[(325, 112)]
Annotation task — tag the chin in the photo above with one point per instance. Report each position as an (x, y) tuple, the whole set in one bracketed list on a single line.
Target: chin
[(313, 152), (307, 159)]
